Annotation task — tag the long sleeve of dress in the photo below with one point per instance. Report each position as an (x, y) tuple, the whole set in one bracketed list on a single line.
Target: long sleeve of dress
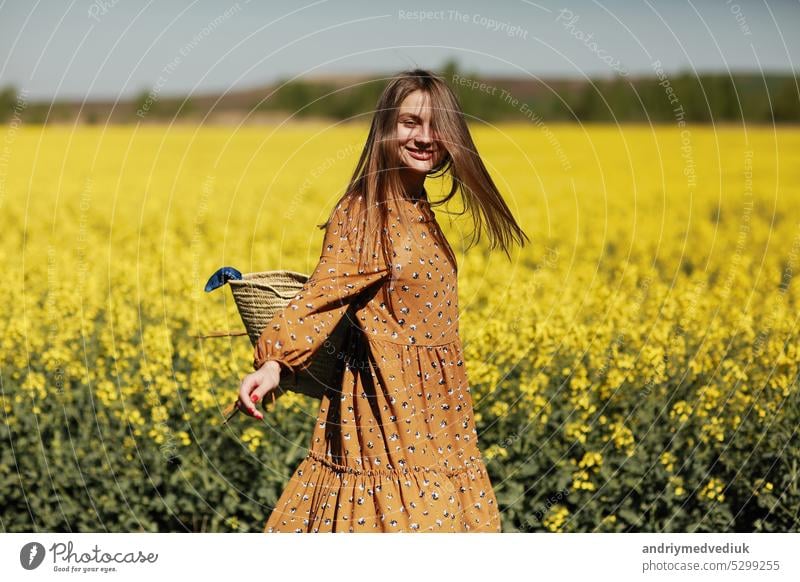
[(298, 330)]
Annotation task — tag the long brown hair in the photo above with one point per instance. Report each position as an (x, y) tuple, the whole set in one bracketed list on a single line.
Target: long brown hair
[(376, 178)]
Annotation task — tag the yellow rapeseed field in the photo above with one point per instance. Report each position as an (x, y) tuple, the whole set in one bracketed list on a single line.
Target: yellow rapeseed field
[(634, 368)]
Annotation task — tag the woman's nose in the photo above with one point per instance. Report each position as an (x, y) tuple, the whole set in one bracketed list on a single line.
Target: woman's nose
[(424, 136)]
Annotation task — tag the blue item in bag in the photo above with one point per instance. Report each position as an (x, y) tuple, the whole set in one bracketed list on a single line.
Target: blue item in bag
[(221, 277)]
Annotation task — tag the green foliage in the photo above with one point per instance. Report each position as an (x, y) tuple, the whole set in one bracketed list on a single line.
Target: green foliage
[(74, 467)]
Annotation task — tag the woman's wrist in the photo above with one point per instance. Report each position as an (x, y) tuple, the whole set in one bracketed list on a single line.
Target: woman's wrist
[(273, 364)]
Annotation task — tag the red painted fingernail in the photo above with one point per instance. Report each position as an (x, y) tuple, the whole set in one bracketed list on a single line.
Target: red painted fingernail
[(255, 397)]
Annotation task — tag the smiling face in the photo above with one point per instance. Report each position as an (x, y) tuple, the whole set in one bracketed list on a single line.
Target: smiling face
[(419, 150)]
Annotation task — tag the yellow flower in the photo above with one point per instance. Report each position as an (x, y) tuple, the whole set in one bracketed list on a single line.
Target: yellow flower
[(681, 410), (538, 409), (622, 437), (157, 434), (576, 430), (252, 436), (762, 485), (712, 429), (530, 387), (159, 413), (668, 460), (499, 409), (677, 485), (591, 460), (495, 451), (556, 518), (713, 490), (580, 480), (610, 519), (142, 371), (132, 416)]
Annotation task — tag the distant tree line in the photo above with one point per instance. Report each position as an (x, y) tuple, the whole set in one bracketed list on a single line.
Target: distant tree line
[(701, 99), (752, 98)]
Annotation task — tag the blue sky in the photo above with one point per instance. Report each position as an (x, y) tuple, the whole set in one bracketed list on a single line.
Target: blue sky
[(101, 49)]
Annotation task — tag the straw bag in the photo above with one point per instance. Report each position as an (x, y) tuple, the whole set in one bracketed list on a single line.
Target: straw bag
[(258, 297)]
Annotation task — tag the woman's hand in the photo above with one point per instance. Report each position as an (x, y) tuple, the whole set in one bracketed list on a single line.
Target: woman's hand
[(257, 385)]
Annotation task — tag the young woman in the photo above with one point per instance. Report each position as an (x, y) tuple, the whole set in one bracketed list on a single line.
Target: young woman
[(394, 448)]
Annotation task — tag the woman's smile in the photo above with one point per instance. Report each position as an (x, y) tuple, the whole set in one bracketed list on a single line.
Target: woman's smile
[(420, 154)]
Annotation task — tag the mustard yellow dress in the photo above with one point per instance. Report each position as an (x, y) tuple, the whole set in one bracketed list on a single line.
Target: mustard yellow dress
[(394, 449)]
